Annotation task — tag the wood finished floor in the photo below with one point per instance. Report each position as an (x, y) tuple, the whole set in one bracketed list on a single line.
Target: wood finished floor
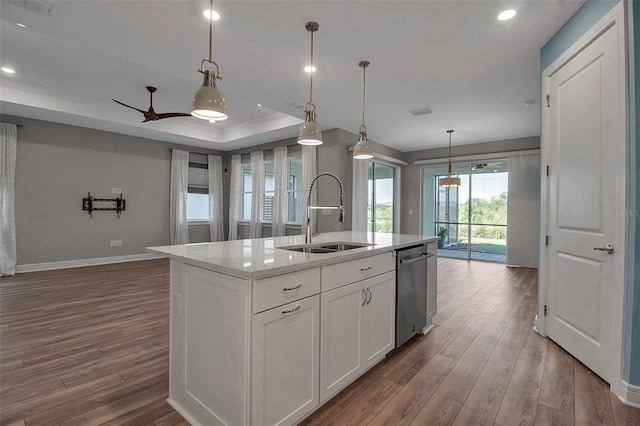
[(89, 346)]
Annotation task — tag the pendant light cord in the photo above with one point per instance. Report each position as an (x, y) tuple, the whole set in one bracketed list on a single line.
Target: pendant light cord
[(311, 73), (364, 90), (210, 30), (449, 153)]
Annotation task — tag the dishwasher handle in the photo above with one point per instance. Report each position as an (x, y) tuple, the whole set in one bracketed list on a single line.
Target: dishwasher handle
[(415, 259)]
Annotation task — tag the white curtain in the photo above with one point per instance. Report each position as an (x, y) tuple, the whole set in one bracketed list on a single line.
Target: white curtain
[(360, 194), (257, 193), (216, 210), (309, 171), (179, 229), (8, 148), (281, 184), (523, 210), (235, 196)]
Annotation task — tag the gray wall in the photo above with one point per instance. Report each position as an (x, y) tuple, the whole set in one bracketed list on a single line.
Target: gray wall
[(58, 164), (410, 223), (333, 156)]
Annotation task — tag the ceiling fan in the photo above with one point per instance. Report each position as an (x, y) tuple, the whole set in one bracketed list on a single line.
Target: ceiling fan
[(151, 115)]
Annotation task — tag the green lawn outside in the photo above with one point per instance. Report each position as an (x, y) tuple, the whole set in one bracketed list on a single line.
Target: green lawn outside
[(484, 245)]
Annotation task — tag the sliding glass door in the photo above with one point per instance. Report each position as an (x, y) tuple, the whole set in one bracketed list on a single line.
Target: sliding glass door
[(380, 208), (471, 219)]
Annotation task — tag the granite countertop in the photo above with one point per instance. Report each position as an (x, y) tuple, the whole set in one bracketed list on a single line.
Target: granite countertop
[(261, 257)]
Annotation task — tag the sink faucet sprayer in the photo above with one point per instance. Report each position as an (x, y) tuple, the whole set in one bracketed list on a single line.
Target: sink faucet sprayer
[(307, 239)]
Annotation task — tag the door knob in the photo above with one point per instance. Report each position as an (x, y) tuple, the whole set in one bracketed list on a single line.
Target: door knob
[(608, 248)]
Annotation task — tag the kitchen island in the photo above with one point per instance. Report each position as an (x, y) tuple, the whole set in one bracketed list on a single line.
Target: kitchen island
[(262, 335)]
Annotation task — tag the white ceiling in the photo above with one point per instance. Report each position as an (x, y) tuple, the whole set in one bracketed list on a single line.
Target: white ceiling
[(473, 71)]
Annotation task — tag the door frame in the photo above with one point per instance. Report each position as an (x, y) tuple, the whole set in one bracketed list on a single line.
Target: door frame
[(614, 18)]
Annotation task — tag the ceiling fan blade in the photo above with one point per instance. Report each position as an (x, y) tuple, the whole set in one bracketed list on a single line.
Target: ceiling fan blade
[(129, 106), (172, 114)]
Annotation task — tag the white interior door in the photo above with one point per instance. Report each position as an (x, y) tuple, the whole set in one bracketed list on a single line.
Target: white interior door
[(586, 195)]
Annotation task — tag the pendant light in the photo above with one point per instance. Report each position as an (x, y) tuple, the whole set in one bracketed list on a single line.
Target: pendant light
[(208, 103), (449, 181), (362, 151), (310, 133)]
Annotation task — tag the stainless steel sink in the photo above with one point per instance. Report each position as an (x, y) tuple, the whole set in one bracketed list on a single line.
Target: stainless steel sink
[(325, 247)]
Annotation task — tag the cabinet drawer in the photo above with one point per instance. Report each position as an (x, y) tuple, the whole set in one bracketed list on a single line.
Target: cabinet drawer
[(275, 291), (334, 276)]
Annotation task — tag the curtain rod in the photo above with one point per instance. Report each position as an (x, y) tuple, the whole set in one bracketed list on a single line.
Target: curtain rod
[(479, 157), (270, 149), (384, 157), (227, 152)]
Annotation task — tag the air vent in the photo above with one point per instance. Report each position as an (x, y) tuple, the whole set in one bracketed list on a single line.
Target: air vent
[(421, 111), (36, 6), (296, 105)]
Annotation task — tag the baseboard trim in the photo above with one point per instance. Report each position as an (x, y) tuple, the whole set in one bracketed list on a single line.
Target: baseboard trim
[(629, 394), (182, 412), (48, 266)]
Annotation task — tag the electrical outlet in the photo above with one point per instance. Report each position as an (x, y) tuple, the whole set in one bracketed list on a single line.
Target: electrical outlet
[(113, 189), (118, 190), (118, 243), (410, 212), (115, 243), (112, 243)]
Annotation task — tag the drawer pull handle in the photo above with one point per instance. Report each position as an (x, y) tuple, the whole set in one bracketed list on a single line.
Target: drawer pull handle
[(290, 311), (368, 268), (292, 288)]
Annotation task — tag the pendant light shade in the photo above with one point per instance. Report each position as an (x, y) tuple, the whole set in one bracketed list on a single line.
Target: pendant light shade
[(362, 150), (310, 133), (449, 181), (208, 103)]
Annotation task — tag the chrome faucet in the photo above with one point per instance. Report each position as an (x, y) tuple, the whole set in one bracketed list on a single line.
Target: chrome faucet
[(307, 238)]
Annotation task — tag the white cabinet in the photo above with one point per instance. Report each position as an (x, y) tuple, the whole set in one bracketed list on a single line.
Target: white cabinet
[(357, 330), (285, 364), (341, 338), (379, 317)]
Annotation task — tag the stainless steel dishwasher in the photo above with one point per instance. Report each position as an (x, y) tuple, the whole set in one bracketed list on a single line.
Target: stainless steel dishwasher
[(411, 292)]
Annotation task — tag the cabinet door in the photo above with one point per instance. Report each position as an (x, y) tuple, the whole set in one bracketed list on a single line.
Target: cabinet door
[(285, 364), (379, 317), (340, 338)]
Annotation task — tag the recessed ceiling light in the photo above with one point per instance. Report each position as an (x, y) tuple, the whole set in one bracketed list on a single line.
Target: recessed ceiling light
[(8, 70), (21, 25), (207, 13), (506, 15), (309, 69), (259, 105)]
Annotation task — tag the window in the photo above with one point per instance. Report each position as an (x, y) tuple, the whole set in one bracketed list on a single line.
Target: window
[(198, 193), (295, 192), (380, 208), (269, 192), (247, 183)]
